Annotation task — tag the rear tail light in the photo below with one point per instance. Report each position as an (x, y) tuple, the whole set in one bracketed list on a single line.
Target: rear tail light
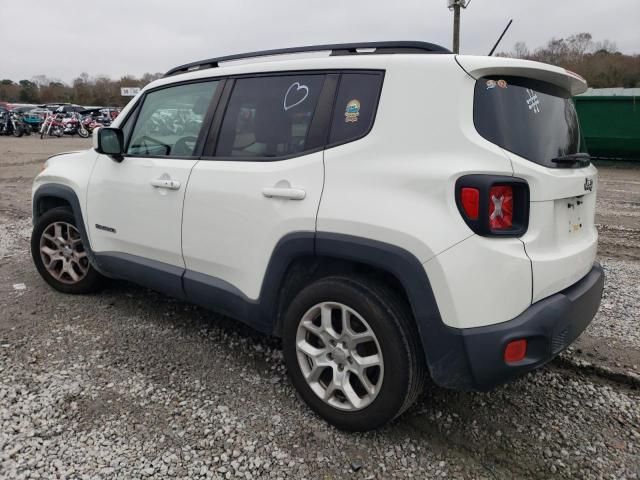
[(470, 202), (501, 208), (494, 205)]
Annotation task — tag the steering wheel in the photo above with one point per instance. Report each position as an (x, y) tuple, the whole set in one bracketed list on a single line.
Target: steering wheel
[(181, 149), (149, 143)]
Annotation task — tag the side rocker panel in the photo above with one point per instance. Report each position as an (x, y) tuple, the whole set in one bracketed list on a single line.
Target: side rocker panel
[(261, 314), (158, 276)]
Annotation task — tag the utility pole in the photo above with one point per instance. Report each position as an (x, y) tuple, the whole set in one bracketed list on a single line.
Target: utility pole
[(456, 5), (456, 27)]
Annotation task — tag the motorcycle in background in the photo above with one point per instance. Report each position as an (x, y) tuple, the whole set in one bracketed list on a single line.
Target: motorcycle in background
[(94, 118), (74, 124), (53, 125), (11, 123), (19, 122), (88, 125)]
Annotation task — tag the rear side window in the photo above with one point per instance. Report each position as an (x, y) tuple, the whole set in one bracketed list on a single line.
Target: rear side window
[(355, 107), (532, 119), (269, 117)]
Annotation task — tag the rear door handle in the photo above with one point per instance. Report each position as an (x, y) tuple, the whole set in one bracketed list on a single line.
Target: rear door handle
[(288, 193), (166, 183)]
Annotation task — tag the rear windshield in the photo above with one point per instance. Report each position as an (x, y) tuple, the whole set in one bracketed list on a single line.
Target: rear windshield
[(532, 119)]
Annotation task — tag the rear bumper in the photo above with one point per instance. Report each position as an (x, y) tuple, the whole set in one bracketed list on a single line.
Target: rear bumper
[(474, 360)]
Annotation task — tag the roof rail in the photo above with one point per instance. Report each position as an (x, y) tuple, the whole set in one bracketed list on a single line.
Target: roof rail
[(336, 49)]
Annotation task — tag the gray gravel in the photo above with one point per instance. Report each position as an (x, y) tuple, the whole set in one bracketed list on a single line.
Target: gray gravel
[(133, 390), (619, 314), (14, 237)]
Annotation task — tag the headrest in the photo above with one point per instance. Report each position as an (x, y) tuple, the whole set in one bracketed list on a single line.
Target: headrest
[(272, 125), (201, 105)]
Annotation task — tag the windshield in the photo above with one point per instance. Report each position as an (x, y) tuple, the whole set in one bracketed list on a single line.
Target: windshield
[(532, 119)]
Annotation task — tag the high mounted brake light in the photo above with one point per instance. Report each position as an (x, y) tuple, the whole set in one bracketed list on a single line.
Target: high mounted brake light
[(574, 74), (494, 206)]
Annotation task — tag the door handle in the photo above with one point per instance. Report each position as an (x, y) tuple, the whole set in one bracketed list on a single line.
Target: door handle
[(165, 183), (288, 193)]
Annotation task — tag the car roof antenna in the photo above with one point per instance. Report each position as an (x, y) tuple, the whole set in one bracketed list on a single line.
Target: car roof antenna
[(500, 39)]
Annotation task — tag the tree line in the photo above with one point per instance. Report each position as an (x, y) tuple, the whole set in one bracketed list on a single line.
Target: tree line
[(599, 62), (84, 90)]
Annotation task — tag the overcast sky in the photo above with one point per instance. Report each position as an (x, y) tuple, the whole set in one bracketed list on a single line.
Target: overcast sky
[(63, 38)]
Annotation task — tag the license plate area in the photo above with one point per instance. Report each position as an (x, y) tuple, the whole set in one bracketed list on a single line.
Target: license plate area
[(575, 215)]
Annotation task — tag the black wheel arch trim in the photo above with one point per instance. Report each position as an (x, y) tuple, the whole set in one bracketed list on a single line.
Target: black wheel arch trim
[(441, 346), (66, 193)]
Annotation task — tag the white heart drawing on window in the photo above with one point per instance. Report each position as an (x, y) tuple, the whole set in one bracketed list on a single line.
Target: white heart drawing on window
[(290, 90)]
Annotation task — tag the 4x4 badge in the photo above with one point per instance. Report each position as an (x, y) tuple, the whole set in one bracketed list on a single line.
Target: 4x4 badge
[(588, 184)]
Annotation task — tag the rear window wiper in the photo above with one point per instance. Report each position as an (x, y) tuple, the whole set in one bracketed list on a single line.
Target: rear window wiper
[(583, 159)]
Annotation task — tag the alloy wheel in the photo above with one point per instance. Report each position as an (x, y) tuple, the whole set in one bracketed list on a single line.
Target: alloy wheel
[(339, 356), (63, 254)]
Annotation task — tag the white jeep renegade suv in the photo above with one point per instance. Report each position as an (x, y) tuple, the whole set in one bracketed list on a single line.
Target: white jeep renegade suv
[(390, 210)]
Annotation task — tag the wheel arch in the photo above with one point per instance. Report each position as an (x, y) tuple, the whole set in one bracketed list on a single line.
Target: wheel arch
[(52, 195), (330, 253)]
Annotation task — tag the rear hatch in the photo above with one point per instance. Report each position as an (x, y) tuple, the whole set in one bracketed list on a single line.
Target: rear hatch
[(526, 109)]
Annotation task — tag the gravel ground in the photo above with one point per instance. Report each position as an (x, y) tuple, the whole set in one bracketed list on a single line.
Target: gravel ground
[(618, 210), (13, 236), (130, 384), (619, 314)]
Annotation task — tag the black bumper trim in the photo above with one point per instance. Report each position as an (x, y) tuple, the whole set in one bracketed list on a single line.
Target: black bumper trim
[(549, 326)]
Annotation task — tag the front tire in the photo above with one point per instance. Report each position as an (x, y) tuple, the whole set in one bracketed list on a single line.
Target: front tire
[(352, 352), (83, 132), (59, 254)]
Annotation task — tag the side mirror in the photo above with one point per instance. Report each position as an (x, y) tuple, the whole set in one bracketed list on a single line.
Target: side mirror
[(109, 141)]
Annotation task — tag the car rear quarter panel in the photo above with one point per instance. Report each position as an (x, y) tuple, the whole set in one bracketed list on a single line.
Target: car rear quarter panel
[(396, 185)]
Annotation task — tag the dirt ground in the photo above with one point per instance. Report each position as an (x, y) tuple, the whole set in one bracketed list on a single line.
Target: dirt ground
[(130, 384)]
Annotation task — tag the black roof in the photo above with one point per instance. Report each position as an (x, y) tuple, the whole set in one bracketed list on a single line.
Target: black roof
[(336, 49)]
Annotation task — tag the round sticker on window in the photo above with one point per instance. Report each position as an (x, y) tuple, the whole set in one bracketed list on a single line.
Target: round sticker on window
[(352, 111)]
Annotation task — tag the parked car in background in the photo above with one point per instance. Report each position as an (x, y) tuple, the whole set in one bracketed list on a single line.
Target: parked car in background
[(31, 115), (62, 107)]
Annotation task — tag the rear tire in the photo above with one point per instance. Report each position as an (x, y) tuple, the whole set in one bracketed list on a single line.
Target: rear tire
[(325, 359), (60, 256)]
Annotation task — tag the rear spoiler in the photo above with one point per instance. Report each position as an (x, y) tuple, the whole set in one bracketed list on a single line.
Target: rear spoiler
[(483, 66)]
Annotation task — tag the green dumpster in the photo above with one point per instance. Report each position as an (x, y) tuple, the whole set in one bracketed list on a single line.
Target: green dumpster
[(610, 122)]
